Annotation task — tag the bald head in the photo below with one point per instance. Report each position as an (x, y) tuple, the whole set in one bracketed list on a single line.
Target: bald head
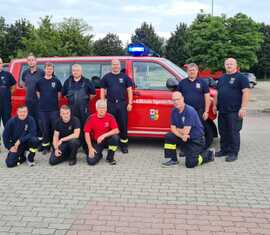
[(230, 65), (116, 66), (178, 100)]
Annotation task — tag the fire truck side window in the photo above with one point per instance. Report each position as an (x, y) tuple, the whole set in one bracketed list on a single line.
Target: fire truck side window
[(62, 71), (150, 76)]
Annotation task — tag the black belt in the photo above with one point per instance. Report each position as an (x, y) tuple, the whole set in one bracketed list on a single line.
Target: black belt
[(116, 101)]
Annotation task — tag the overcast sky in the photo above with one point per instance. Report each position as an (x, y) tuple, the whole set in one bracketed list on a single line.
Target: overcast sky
[(123, 17)]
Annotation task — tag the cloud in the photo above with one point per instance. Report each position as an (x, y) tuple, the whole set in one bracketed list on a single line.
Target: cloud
[(171, 8)]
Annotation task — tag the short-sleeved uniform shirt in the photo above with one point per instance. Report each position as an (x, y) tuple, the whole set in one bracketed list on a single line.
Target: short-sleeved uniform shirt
[(6, 82), (116, 85), (193, 92), (98, 126), (70, 83), (48, 89), (230, 88), (67, 128), (30, 80), (189, 117)]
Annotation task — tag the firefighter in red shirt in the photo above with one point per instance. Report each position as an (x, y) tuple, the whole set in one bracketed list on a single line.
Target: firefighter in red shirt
[(101, 130)]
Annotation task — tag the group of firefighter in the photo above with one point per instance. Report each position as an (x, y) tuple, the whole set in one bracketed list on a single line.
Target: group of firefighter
[(40, 125)]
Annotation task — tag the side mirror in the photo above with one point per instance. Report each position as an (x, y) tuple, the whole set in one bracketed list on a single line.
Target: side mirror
[(172, 84)]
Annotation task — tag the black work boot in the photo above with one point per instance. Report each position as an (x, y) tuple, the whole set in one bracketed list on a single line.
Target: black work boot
[(231, 158), (124, 148), (110, 157), (72, 161), (220, 154)]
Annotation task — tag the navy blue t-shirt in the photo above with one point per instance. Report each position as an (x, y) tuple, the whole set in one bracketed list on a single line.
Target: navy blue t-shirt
[(30, 80), (230, 88), (189, 117), (6, 82), (116, 85), (48, 89), (193, 92), (70, 83)]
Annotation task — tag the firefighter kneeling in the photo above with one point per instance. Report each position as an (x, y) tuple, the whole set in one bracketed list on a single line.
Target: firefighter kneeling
[(187, 132), (101, 131)]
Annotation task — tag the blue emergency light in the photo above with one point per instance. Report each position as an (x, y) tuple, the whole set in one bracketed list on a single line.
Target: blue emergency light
[(138, 49)]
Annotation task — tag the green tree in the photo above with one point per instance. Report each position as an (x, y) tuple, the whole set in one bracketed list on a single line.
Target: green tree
[(208, 41), (75, 38), (245, 40), (15, 33), (3, 32), (109, 45), (262, 68), (176, 47), (147, 35), (43, 41), (211, 39)]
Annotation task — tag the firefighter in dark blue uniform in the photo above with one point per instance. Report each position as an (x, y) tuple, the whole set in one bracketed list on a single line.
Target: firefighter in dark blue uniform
[(30, 78), (188, 132), (48, 91), (196, 93), (117, 86), (19, 136), (232, 100), (7, 86), (79, 91)]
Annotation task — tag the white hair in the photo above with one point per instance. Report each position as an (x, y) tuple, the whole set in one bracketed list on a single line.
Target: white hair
[(76, 66)]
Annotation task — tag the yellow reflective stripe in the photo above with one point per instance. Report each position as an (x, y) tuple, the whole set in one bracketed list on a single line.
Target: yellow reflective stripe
[(200, 160), (124, 141), (46, 144), (170, 146), (113, 148), (33, 150)]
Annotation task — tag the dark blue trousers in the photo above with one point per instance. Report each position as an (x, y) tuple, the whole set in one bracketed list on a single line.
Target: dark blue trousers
[(110, 142), (119, 111), (13, 159), (194, 150), (69, 151), (229, 126), (47, 121), (33, 111), (5, 111)]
